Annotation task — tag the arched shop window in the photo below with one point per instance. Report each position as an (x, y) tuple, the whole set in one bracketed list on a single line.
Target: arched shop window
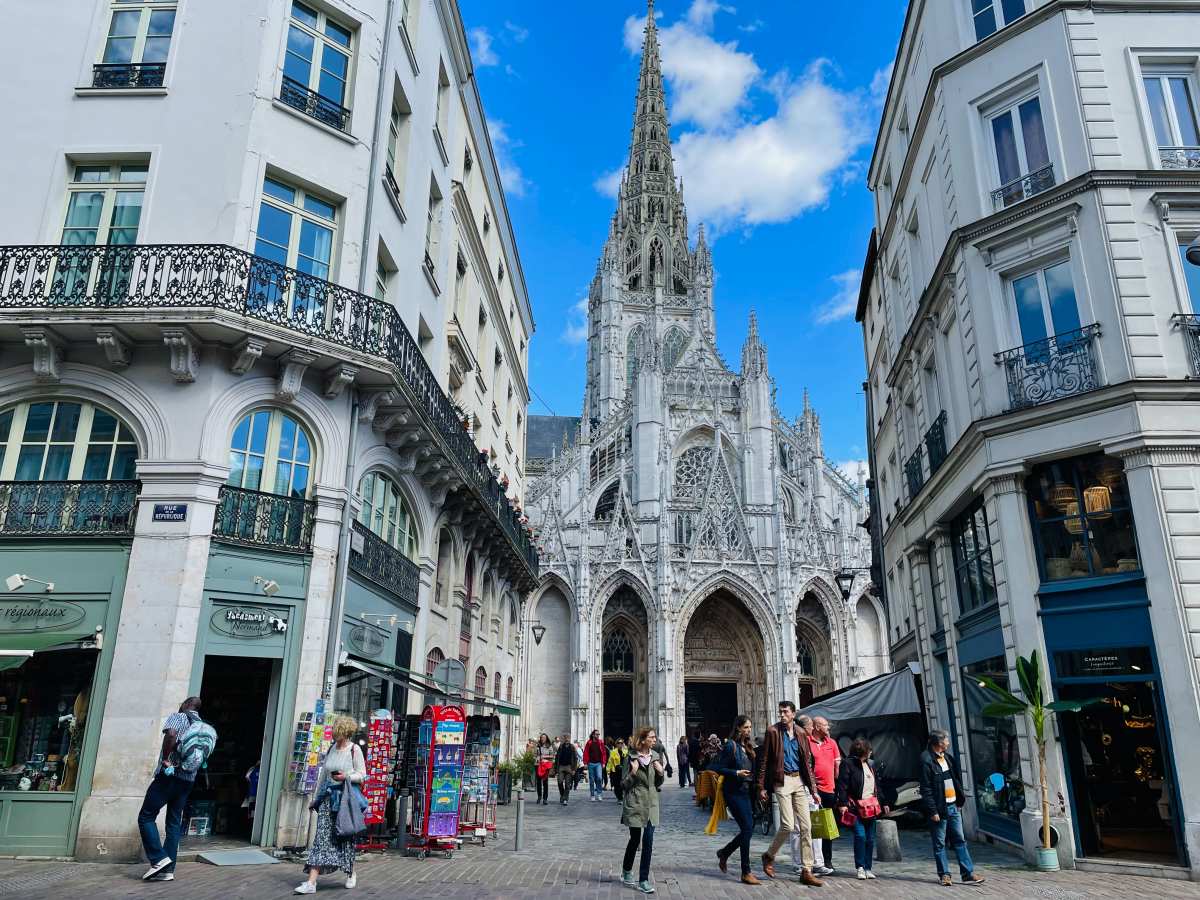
[(385, 513), (61, 440), (481, 681), (433, 659), (271, 452)]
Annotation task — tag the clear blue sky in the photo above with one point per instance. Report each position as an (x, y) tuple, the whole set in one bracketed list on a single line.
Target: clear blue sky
[(773, 107)]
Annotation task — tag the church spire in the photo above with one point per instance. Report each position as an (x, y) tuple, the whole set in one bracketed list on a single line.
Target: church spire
[(754, 354)]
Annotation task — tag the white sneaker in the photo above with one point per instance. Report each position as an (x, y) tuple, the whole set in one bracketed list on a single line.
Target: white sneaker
[(155, 868), (627, 878), (352, 880), (862, 874), (822, 870), (306, 888), (163, 876), (870, 874)]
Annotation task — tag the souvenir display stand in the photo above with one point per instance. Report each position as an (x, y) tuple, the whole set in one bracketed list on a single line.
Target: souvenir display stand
[(378, 784), (477, 810), (437, 783)]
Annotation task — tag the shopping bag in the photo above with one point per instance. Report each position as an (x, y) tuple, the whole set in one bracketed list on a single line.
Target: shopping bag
[(823, 824)]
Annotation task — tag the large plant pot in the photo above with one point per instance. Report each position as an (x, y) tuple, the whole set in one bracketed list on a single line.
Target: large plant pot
[(1047, 859)]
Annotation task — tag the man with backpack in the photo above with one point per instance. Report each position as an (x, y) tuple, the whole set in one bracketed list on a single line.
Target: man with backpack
[(187, 742)]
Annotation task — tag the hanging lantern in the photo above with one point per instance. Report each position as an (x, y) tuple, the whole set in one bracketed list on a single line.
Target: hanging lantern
[(1062, 495), (1073, 523), (1097, 500)]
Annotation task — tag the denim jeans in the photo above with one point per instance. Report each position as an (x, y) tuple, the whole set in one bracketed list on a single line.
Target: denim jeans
[(596, 779), (950, 829), (739, 807), (171, 792), (645, 837), (864, 843)]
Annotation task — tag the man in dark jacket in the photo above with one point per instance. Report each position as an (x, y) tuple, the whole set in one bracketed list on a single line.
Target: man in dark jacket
[(784, 768), (694, 745), (942, 795), (566, 761)]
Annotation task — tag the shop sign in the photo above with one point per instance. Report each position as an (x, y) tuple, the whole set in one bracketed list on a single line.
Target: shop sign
[(365, 640), (248, 622), (1103, 662), (169, 512), (35, 616)]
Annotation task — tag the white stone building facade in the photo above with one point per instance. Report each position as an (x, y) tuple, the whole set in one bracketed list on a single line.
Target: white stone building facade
[(689, 534), (265, 335), (1029, 318)]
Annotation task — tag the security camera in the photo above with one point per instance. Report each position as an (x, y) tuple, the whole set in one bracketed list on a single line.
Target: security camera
[(270, 588)]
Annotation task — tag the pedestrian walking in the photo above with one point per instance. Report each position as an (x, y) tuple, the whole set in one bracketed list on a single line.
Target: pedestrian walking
[(694, 744), (942, 795), (861, 798), (543, 765), (187, 742), (827, 758), (566, 761), (736, 768), (595, 756), (616, 760), (639, 806), (784, 769), (681, 759), (342, 769)]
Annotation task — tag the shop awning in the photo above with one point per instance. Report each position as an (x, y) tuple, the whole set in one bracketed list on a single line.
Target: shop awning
[(407, 678), (893, 694), (10, 659)]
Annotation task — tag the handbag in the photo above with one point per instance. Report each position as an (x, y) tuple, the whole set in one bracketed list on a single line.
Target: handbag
[(848, 817), (868, 808), (544, 767), (824, 825), (350, 820)]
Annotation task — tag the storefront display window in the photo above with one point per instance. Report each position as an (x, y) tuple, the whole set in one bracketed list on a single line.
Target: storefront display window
[(971, 540), (359, 694), (1081, 518), (43, 712), (994, 750)]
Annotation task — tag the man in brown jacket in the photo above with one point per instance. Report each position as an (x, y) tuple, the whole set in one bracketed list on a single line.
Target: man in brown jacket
[(784, 769)]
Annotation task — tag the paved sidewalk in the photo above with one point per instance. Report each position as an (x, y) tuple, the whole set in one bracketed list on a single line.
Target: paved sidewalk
[(575, 852)]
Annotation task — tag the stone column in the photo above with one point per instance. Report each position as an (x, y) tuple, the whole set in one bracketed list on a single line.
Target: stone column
[(922, 584), (426, 588), (156, 643)]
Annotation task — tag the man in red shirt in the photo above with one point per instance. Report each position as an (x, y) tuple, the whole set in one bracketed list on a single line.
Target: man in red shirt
[(827, 758), (595, 755)]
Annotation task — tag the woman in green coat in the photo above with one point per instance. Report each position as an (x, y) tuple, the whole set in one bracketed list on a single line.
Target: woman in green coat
[(642, 776)]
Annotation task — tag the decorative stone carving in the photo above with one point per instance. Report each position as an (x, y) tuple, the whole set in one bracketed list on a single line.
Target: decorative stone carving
[(47, 353), (246, 354), (579, 665), (115, 346), (185, 354), (337, 378), (369, 404), (292, 366)]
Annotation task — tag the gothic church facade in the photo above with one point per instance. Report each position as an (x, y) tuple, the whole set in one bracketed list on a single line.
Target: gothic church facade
[(689, 534)]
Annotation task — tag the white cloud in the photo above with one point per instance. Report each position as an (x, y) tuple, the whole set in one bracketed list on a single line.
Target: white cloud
[(844, 301), (751, 27), (517, 32), (609, 183), (511, 176), (880, 82), (576, 330), (481, 47), (850, 467), (702, 12)]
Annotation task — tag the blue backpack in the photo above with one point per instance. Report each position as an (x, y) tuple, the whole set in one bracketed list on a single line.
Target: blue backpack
[(195, 745)]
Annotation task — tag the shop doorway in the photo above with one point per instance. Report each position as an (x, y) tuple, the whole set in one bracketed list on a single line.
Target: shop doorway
[(711, 706), (618, 708), (238, 697), (1122, 779)]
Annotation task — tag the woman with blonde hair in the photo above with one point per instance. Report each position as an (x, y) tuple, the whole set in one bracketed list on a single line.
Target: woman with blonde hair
[(343, 764), (640, 781)]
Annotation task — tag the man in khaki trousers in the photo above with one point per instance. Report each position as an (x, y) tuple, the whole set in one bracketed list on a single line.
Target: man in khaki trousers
[(783, 768)]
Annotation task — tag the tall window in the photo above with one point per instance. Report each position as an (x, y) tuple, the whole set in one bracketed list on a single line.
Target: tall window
[(496, 686), (399, 126), (385, 513), (993, 745), (805, 656), (317, 60), (633, 345), (481, 681), (971, 540), (271, 452), (408, 16), (990, 15), (1045, 303), (1172, 99), (1022, 156), (673, 345), (508, 693), (136, 45), (382, 276), (441, 125), (433, 219), (618, 653), (64, 441), (1082, 523), (295, 229), (433, 659), (104, 207)]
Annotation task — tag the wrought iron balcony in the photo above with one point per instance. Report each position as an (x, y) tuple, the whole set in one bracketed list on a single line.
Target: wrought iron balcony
[(935, 443), (1179, 157), (67, 508), (1049, 369), (215, 277), (128, 75), (1024, 187), (1190, 326), (258, 519), (384, 564), (324, 110), (914, 475)]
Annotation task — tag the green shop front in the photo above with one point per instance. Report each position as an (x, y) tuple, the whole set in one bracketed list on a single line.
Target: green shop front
[(58, 623)]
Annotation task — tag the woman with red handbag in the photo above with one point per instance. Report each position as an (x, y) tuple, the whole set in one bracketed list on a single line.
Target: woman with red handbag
[(862, 798), (545, 763)]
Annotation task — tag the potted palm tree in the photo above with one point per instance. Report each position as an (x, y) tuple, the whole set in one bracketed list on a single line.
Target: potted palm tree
[(1029, 674)]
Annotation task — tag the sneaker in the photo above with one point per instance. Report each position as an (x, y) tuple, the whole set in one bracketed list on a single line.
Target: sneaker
[(973, 878), (163, 876), (646, 887), (870, 874), (306, 888), (861, 874), (627, 877), (352, 880), (819, 870), (945, 880), (155, 868)]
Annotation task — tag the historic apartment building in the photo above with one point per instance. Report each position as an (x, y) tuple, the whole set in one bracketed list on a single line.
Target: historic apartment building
[(1029, 318), (690, 536), (264, 331)]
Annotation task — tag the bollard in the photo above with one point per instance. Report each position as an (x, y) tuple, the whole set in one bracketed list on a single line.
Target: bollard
[(887, 841), (520, 826), (401, 842)]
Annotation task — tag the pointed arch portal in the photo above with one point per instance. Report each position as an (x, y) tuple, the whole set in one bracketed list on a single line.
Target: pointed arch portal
[(624, 662), (724, 670)]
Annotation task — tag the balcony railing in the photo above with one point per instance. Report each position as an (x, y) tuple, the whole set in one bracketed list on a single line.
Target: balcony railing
[(67, 508), (935, 443), (384, 564), (389, 178), (1049, 369), (1024, 187), (174, 276), (128, 75), (324, 110), (913, 474), (1179, 157), (1190, 326), (258, 519)]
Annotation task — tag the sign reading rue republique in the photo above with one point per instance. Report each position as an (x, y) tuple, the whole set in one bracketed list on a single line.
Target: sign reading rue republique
[(169, 512)]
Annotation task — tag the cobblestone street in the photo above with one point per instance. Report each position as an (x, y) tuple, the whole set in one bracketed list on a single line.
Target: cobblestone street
[(574, 852)]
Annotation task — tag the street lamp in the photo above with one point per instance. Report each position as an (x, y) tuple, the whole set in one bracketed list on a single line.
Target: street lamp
[(539, 631), (845, 581)]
